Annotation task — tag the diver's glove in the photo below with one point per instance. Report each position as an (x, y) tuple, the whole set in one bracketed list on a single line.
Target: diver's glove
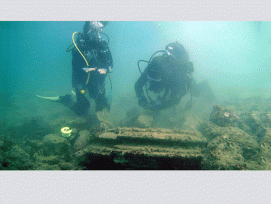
[(156, 106), (142, 101), (89, 69), (102, 71)]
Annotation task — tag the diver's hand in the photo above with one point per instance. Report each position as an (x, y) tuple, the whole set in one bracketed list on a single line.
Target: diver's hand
[(89, 69), (102, 71), (155, 106), (142, 101)]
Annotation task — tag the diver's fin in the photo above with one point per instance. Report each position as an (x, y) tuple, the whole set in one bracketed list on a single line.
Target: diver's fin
[(54, 98)]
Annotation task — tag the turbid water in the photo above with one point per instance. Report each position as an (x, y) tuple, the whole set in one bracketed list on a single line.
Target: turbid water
[(233, 58)]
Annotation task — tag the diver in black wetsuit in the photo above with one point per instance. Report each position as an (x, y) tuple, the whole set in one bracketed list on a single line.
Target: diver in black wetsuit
[(91, 63), (167, 76)]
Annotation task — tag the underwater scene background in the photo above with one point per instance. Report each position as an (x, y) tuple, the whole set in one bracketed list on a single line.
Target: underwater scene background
[(226, 127)]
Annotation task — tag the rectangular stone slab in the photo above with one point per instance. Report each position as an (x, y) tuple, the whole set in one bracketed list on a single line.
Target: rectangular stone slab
[(183, 136)]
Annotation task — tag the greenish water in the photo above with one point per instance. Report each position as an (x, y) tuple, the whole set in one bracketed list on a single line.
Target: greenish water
[(233, 57)]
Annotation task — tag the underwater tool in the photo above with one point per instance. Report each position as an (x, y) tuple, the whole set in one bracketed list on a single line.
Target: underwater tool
[(66, 132)]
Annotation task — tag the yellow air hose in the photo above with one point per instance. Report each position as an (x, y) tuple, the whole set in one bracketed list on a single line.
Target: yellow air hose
[(66, 131), (81, 54)]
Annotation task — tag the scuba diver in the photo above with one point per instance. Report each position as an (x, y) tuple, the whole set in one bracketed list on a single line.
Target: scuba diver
[(166, 79), (91, 63)]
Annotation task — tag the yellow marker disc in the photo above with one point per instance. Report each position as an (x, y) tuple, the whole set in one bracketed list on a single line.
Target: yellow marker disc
[(83, 91), (66, 132)]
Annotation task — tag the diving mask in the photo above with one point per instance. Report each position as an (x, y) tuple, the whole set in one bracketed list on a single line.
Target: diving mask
[(168, 53)]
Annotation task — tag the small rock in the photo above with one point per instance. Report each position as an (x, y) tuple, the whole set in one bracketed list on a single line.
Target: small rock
[(82, 141), (18, 159), (144, 121), (223, 117), (55, 145)]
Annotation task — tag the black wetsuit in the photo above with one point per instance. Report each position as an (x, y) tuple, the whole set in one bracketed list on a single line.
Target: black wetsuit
[(171, 78), (98, 55)]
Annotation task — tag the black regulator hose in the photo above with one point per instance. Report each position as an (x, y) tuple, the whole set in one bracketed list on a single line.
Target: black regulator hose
[(139, 66), (138, 63)]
